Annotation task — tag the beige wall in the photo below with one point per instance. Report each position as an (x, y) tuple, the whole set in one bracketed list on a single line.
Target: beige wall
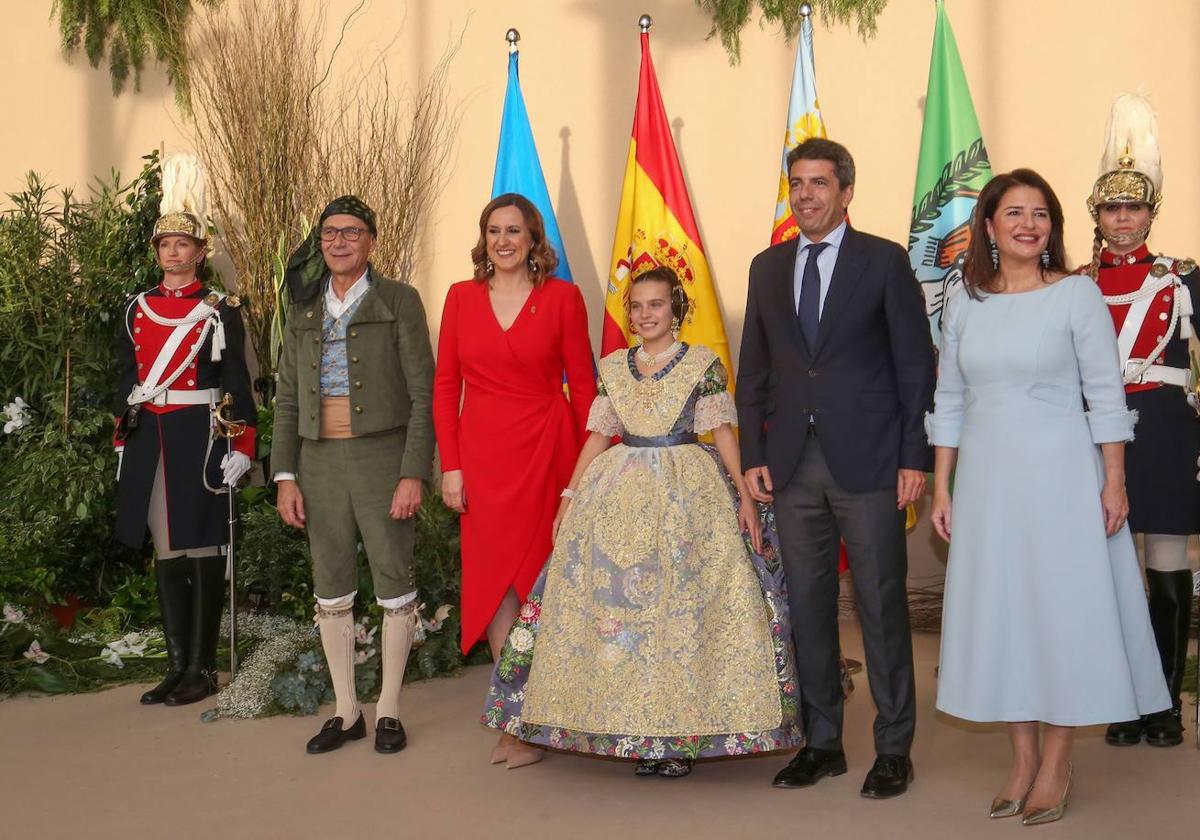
[(1042, 73)]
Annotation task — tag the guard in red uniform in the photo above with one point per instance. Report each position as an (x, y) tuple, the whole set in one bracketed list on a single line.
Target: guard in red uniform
[(179, 351), (1150, 297)]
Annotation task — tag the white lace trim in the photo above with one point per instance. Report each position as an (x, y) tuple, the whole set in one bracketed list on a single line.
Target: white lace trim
[(713, 411), (602, 417)]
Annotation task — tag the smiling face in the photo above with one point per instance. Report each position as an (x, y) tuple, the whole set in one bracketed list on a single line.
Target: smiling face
[(508, 239), (650, 310), (346, 258), (1021, 225), (179, 254), (1124, 226), (817, 199)]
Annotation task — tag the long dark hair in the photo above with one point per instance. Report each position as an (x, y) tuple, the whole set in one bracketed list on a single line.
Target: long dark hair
[(542, 259), (979, 273)]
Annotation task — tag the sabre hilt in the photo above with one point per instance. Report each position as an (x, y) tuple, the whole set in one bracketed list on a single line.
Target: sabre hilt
[(224, 423)]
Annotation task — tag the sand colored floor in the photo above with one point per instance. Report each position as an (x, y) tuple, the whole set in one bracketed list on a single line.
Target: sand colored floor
[(101, 766)]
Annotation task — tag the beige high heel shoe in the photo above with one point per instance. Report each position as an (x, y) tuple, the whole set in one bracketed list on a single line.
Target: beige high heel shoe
[(1041, 816), (521, 754), (500, 751)]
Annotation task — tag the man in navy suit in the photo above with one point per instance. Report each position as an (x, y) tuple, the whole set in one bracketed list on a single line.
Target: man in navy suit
[(835, 376)]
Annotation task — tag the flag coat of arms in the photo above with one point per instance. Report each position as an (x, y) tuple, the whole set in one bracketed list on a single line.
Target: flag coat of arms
[(656, 226), (951, 170)]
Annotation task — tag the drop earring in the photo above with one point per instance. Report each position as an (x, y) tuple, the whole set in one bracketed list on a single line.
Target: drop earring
[(1046, 258), (995, 254), (489, 266), (675, 329)]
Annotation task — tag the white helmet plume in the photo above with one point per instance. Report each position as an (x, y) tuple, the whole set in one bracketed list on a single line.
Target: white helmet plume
[(183, 187), (1131, 139)]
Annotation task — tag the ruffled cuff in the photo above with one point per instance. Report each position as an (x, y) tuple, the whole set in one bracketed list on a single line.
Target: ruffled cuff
[(1112, 426), (602, 417), (942, 431), (713, 411)]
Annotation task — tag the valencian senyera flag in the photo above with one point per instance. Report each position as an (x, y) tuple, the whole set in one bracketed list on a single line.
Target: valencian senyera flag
[(803, 121), (951, 170), (656, 226), (518, 168)]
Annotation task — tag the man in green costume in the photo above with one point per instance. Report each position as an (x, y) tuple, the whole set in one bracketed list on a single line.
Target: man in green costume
[(353, 444)]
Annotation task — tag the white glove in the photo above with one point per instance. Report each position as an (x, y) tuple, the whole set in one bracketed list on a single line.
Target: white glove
[(235, 465), (120, 458)]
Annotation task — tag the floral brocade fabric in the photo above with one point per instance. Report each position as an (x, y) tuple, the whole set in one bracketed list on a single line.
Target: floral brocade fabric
[(654, 631)]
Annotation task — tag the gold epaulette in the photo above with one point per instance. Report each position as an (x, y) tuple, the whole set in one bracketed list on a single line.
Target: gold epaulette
[(1184, 266)]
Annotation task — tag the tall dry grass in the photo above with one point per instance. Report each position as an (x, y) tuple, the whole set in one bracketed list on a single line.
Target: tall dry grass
[(281, 133)]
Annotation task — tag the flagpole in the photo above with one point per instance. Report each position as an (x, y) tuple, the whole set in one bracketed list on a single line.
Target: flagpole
[(645, 22), (512, 36)]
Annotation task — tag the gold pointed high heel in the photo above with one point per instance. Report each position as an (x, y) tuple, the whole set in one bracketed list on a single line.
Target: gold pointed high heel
[(521, 754), (1008, 807), (1040, 816)]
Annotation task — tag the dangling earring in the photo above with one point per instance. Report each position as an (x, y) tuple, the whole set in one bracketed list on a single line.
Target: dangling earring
[(675, 329), (533, 266), (1046, 258), (995, 255), (489, 266)]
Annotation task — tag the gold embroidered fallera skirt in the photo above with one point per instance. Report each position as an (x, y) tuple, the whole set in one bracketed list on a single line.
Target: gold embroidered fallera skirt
[(653, 619)]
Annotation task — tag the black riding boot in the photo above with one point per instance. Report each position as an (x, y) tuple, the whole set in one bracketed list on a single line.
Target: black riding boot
[(1171, 615), (173, 577), (208, 599)]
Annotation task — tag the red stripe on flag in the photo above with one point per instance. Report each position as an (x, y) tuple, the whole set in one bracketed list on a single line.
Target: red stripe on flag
[(611, 336), (656, 147)]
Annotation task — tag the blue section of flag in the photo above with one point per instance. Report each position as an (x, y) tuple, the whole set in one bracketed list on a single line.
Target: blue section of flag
[(518, 168)]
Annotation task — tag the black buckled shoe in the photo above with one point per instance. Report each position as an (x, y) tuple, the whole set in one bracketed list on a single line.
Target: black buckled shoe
[(809, 766), (389, 735), (193, 687), (332, 735), (890, 776), (1165, 729), (1126, 733)]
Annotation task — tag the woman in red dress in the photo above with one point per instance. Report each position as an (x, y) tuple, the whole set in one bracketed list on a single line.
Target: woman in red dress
[(507, 338)]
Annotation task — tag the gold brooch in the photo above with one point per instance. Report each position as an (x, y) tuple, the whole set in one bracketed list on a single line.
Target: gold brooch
[(212, 299), (1185, 266), (1158, 270), (233, 301)]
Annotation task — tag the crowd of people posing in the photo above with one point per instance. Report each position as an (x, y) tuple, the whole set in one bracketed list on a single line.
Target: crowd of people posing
[(651, 596)]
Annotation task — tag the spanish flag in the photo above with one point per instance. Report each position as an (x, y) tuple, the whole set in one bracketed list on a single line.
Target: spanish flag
[(656, 226)]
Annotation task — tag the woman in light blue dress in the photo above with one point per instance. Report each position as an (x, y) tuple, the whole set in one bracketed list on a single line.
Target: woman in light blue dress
[(1045, 625)]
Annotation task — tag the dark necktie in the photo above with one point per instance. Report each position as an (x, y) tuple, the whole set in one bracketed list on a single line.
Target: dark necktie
[(809, 311)]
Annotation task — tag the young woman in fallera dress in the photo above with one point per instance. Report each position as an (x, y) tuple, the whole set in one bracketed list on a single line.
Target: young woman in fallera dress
[(658, 631)]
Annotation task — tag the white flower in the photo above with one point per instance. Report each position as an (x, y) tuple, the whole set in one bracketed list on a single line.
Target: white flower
[(732, 747), (36, 653), (432, 625), (362, 635), (17, 415), (360, 657), (626, 746), (110, 655), (658, 749), (521, 639), (13, 615), (131, 644)]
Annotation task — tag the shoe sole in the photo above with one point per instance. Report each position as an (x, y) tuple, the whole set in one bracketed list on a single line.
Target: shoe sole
[(389, 750), (1118, 742), (832, 771), (311, 751), (1163, 743)]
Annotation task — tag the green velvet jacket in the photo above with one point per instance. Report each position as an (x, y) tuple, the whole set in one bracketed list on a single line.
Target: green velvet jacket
[(391, 375)]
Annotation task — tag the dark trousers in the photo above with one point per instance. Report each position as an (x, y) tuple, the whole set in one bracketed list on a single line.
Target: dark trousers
[(812, 512)]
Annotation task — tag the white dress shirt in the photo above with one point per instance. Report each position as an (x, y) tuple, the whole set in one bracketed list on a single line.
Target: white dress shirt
[(826, 260)]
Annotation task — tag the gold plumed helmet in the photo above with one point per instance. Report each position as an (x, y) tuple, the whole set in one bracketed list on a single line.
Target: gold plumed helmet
[(183, 210), (1131, 165)]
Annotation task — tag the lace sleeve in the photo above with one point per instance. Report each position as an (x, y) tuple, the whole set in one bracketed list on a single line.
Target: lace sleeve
[(602, 417), (715, 405)]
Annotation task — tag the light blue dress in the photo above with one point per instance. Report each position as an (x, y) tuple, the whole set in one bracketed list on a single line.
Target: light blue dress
[(1044, 617)]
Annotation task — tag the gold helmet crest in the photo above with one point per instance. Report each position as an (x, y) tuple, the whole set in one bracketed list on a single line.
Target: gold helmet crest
[(1131, 164), (183, 210)]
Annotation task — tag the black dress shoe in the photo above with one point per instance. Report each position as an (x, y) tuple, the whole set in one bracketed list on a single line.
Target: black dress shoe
[(332, 735), (192, 688), (1165, 729), (808, 766), (890, 776), (159, 693), (1125, 734), (389, 735)]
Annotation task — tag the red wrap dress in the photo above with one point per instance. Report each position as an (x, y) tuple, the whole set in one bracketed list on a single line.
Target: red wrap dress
[(516, 436)]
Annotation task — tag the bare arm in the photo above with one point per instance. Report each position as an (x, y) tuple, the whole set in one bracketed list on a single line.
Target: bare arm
[(727, 447)]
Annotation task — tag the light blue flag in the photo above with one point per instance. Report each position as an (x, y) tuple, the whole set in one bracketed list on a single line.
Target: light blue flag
[(518, 169)]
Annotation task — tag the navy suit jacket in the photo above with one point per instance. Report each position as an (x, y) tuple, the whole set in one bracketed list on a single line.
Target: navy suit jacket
[(867, 382)]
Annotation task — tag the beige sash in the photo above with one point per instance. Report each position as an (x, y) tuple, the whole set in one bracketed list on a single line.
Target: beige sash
[(335, 418)]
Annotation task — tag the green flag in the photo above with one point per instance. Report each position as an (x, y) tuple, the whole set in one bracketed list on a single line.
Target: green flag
[(951, 170)]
